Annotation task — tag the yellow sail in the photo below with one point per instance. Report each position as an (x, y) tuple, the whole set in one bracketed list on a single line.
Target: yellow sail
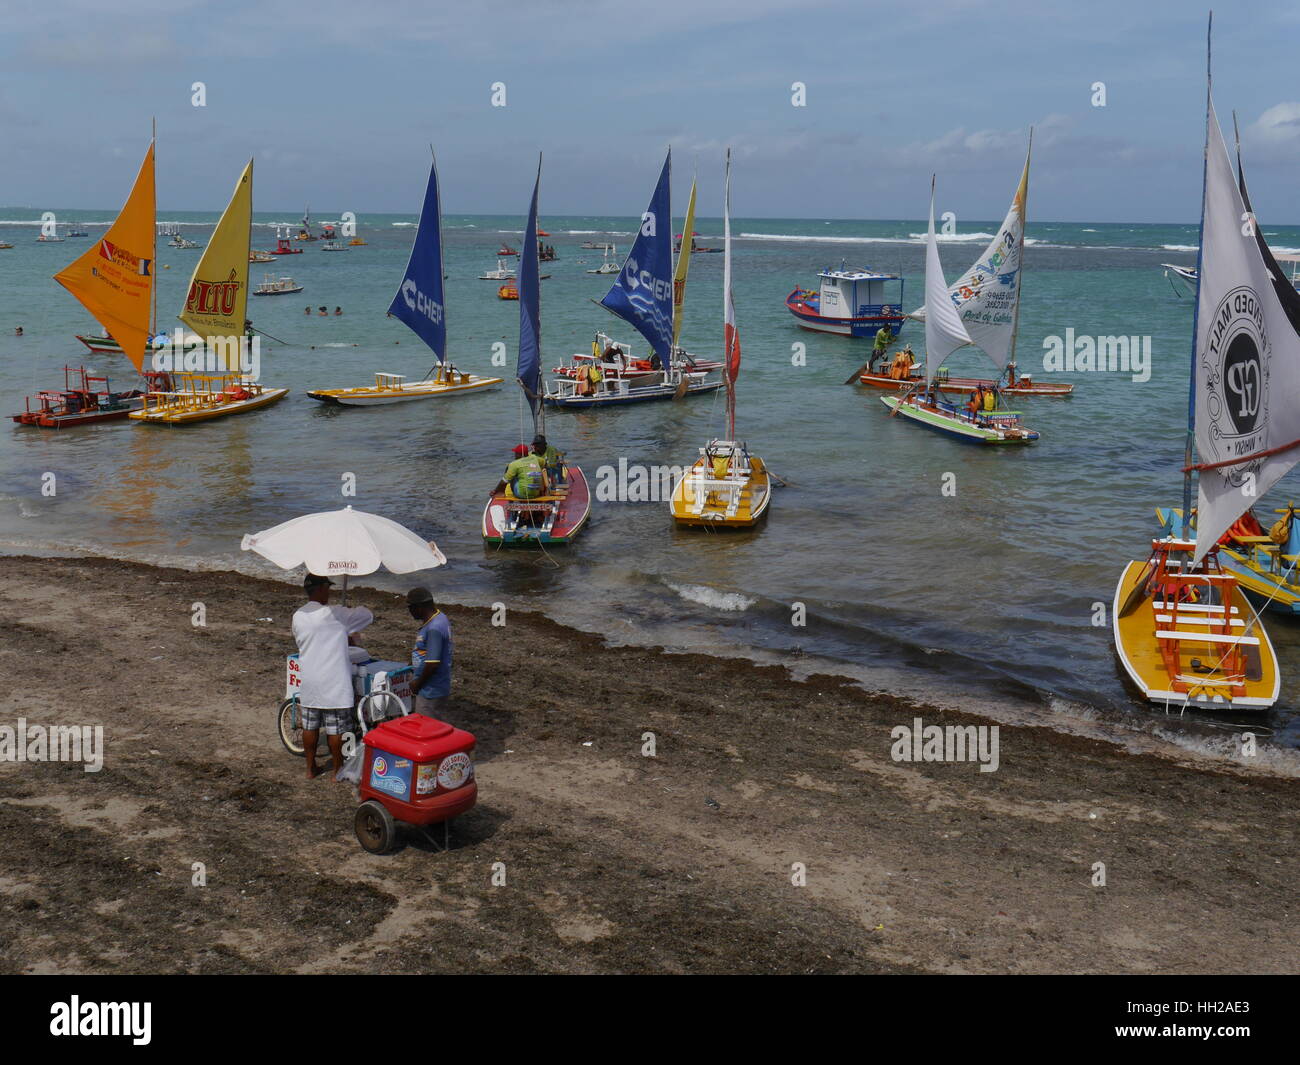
[(114, 278), (218, 296), (683, 265)]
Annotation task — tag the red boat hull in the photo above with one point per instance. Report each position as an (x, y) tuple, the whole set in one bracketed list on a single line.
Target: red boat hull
[(553, 521)]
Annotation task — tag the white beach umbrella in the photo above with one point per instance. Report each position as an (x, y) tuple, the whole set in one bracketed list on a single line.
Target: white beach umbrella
[(344, 543)]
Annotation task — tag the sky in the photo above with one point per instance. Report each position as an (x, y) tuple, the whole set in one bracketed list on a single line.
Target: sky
[(338, 102)]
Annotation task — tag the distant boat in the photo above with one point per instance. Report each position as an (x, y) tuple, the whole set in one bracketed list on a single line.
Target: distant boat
[(5, 244), (77, 231), (356, 242), (506, 250), (508, 291), (277, 286), (283, 245), (608, 266), (178, 241), (1188, 273), (501, 273), (849, 303), (596, 245), (52, 238), (333, 245), (261, 257)]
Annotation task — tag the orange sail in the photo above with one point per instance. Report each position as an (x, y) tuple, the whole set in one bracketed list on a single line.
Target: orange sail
[(114, 278)]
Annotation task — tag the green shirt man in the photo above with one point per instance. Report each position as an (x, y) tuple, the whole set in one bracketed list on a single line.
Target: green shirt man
[(883, 337), (523, 478)]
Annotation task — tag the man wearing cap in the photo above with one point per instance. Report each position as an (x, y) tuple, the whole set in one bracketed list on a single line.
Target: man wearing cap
[(431, 658), (325, 696), (524, 477)]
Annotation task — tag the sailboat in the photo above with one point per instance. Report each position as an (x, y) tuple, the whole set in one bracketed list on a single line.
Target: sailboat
[(304, 227), (114, 280), (945, 332), (215, 307), (727, 487), (561, 511), (987, 297), (642, 296), (419, 304), (607, 265), (1184, 630)]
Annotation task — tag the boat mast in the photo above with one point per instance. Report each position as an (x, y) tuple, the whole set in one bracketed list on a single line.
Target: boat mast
[(1190, 442), (1020, 270), (153, 324)]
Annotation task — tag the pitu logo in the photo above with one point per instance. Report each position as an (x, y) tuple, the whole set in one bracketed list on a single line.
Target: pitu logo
[(1238, 374), (213, 297)]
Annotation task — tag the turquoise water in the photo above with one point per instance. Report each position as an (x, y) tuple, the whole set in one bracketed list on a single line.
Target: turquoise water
[(988, 590)]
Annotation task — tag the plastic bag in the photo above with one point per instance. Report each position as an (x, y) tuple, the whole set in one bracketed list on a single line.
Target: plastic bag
[(351, 769)]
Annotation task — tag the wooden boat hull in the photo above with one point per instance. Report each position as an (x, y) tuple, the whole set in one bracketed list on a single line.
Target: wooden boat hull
[(101, 345), (45, 420), (956, 427), (633, 394), (967, 384), (369, 396), (807, 312), (554, 519), (700, 501), (187, 414), (1144, 666)]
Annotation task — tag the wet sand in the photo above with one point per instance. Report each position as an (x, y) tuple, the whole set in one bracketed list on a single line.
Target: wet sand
[(614, 862)]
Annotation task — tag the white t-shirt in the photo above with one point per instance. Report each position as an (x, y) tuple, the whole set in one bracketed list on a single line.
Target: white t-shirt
[(322, 633)]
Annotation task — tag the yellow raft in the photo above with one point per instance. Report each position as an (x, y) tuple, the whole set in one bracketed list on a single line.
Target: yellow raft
[(727, 487), (202, 397), (394, 388)]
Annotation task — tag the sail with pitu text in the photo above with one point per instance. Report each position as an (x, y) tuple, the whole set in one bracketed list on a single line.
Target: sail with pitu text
[(217, 301), (643, 294), (987, 296), (114, 277), (419, 301), (530, 310), (1246, 369), (944, 330)]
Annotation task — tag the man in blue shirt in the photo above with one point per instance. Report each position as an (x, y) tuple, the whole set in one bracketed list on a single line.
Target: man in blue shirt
[(431, 658)]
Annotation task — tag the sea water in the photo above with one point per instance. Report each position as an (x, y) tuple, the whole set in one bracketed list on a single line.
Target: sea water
[(893, 554)]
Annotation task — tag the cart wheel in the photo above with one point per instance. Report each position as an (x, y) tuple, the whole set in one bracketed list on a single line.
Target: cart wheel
[(375, 828), (290, 729)]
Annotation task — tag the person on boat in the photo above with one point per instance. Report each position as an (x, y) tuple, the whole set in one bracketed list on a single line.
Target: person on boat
[(431, 656), (549, 456), (975, 402), (323, 634), (524, 477), (883, 337), (990, 400)]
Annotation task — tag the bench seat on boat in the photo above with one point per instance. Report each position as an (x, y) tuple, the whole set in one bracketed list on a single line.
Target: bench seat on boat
[(1208, 637)]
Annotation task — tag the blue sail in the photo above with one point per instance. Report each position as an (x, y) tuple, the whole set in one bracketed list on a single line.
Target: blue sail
[(643, 293), (418, 302), (530, 309)]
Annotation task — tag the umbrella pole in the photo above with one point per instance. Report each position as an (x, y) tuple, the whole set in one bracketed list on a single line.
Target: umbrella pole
[(345, 589)]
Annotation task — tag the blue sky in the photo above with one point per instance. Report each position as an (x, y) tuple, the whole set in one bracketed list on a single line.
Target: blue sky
[(338, 101)]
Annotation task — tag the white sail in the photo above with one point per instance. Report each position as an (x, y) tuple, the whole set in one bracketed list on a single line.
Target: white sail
[(1247, 360), (986, 295), (944, 331)]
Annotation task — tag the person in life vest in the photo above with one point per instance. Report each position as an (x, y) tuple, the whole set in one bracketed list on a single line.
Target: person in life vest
[(990, 400), (524, 477), (975, 401)]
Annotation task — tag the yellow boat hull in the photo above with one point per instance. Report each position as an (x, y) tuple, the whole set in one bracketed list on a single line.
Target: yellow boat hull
[(372, 396), (202, 409), (699, 499), (1140, 653)]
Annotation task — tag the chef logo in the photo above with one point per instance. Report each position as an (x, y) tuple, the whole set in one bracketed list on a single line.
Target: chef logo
[(1236, 372)]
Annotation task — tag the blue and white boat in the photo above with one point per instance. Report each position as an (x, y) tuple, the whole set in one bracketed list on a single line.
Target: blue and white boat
[(850, 303)]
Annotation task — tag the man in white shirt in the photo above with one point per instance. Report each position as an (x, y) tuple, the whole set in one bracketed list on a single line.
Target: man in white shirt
[(323, 633)]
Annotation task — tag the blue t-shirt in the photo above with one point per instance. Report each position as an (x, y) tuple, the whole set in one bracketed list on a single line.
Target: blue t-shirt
[(433, 644)]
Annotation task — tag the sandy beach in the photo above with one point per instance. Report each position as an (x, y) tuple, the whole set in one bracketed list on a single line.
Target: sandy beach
[(614, 862)]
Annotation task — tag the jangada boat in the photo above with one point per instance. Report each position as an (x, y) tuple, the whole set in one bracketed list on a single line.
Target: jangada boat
[(114, 280), (849, 303), (607, 266), (215, 311), (648, 295), (419, 304), (261, 257), (727, 487), (1185, 633), (560, 513), (85, 398), (987, 298), (277, 286), (983, 421), (283, 245)]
